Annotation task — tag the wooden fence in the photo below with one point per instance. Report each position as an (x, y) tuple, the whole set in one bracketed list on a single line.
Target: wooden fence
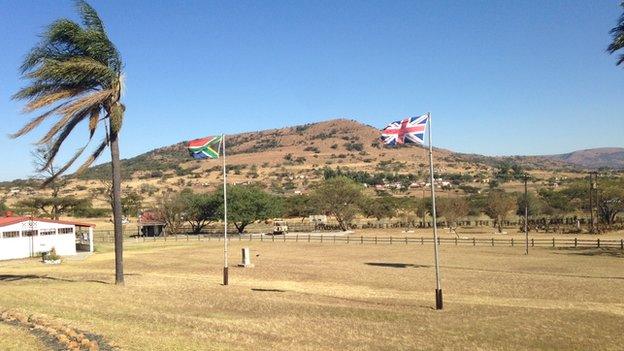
[(107, 237)]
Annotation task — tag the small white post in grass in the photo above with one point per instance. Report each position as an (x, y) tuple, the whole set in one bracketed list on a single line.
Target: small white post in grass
[(246, 258)]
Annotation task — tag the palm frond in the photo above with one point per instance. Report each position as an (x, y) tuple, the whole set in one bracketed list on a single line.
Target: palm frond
[(80, 109), (33, 123), (50, 98), (94, 119), (89, 16), (65, 166), (618, 38), (94, 156)]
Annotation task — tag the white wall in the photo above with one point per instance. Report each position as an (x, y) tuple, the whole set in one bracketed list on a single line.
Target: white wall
[(10, 248), (21, 247)]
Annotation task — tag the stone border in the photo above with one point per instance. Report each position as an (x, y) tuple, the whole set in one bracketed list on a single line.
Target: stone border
[(54, 334)]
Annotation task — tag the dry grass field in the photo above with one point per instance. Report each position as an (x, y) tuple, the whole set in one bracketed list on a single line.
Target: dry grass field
[(302, 296)]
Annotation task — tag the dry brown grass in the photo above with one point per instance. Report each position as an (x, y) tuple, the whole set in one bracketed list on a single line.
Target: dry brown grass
[(330, 297), (13, 338)]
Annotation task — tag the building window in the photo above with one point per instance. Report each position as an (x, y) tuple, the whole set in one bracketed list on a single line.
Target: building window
[(65, 230), (47, 231), (29, 233), (14, 234)]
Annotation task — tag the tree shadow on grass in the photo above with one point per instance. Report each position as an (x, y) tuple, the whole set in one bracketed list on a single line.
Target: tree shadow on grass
[(396, 265), (592, 251), (18, 277)]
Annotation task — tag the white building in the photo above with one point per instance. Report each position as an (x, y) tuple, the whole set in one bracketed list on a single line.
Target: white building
[(22, 237)]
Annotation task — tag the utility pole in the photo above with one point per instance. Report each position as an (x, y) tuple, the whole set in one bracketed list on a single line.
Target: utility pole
[(526, 215)]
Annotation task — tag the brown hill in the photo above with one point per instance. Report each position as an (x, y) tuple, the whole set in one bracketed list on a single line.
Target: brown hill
[(608, 157), (289, 160)]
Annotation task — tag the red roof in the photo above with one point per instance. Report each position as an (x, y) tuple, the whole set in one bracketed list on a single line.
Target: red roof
[(4, 221)]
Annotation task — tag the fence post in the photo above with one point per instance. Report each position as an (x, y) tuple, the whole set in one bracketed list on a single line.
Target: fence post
[(334, 238), (284, 237), (575, 242), (621, 244), (492, 242), (391, 240), (598, 242), (273, 238), (187, 238), (455, 241), (532, 242), (308, 237), (422, 240), (348, 239), (405, 240), (375, 239), (512, 242), (261, 237), (474, 241), (553, 242), (297, 238), (362, 239)]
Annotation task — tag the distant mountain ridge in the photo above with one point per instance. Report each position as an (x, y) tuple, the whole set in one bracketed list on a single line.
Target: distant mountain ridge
[(605, 157)]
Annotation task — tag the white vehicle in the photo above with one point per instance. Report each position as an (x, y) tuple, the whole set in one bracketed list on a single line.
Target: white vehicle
[(279, 227)]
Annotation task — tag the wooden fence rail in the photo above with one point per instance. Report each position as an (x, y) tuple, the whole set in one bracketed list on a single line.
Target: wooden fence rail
[(108, 237)]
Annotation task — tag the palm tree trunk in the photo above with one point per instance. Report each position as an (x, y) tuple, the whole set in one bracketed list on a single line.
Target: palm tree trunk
[(116, 194)]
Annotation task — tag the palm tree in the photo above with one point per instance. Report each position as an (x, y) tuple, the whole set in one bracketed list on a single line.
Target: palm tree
[(75, 73), (618, 38)]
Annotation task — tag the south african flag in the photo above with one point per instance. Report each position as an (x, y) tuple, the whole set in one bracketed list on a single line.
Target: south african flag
[(205, 147)]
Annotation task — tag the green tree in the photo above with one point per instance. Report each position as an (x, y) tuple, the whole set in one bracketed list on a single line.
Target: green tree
[(618, 38), (299, 206), (379, 207), (248, 204), (339, 197), (201, 209), (498, 206), (75, 72), (558, 202), (52, 207), (533, 203)]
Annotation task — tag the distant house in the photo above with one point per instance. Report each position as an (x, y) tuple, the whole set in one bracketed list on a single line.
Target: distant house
[(22, 237), (150, 224)]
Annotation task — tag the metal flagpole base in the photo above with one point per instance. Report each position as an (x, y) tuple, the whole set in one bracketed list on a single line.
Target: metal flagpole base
[(439, 301), (225, 275)]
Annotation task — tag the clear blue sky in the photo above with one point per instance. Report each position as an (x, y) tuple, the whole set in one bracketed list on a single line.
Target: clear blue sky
[(500, 77)]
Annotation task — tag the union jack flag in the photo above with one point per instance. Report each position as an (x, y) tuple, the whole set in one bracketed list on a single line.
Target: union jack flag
[(409, 130)]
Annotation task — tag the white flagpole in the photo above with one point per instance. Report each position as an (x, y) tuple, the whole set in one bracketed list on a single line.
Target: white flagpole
[(225, 238), (438, 291)]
